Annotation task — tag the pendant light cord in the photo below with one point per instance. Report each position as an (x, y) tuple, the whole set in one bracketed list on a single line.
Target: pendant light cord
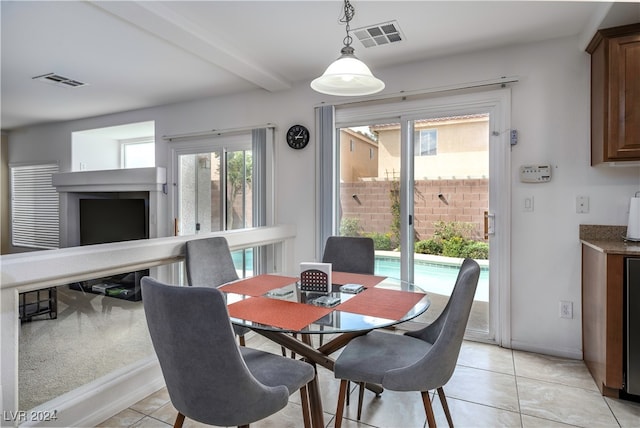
[(349, 13)]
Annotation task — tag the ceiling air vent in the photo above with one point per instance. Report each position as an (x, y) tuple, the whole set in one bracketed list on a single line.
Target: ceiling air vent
[(56, 79), (380, 34)]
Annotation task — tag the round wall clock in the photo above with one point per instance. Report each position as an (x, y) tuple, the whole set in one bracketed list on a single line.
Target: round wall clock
[(298, 137)]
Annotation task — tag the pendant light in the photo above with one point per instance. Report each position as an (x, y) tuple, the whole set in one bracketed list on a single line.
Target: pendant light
[(347, 76)]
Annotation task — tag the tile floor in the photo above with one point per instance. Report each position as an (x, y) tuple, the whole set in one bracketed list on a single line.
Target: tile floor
[(491, 387)]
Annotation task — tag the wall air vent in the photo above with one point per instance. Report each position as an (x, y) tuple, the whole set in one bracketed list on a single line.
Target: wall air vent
[(56, 79), (380, 34)]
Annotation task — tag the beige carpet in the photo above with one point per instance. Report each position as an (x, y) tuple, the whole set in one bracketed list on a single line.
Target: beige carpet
[(92, 336)]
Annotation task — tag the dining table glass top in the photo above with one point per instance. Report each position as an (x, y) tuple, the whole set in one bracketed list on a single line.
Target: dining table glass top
[(277, 303)]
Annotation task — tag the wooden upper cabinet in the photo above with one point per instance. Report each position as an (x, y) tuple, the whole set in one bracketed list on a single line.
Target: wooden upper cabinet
[(615, 94)]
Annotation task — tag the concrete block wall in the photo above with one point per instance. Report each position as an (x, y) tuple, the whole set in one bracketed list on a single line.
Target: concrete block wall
[(463, 200)]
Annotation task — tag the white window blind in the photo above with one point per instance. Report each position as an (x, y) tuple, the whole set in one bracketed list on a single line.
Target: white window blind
[(34, 207)]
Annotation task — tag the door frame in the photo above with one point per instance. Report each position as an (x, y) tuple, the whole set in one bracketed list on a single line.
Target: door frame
[(211, 144), (496, 102), (206, 144)]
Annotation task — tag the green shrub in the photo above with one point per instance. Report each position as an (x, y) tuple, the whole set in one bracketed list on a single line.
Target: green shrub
[(477, 250), (350, 226), (460, 247), (446, 230), (429, 246), (453, 247), (381, 241), (453, 239)]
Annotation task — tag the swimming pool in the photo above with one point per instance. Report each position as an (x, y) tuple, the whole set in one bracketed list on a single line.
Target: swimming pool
[(433, 273)]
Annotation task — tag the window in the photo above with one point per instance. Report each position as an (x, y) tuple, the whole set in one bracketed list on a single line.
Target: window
[(114, 147), (137, 154), (426, 142), (34, 207)]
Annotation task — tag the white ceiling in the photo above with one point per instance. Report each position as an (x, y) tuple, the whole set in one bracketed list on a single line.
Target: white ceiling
[(149, 53)]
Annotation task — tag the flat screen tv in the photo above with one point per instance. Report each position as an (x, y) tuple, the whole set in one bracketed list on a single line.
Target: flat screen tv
[(113, 220)]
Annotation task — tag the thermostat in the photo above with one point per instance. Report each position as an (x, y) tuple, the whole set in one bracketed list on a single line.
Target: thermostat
[(535, 173)]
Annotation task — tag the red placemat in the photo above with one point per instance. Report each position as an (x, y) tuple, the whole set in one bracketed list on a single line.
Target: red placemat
[(278, 313), (342, 278), (258, 285), (382, 303)]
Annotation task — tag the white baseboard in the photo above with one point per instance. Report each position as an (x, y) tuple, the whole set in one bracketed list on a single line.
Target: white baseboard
[(575, 354), (97, 401)]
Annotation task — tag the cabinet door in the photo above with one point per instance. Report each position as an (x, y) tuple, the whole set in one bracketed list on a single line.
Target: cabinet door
[(624, 100), (602, 318)]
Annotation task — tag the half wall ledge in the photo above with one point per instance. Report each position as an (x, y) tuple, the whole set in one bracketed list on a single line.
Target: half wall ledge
[(112, 180)]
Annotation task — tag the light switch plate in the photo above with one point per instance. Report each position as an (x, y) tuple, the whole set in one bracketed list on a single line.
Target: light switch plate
[(582, 204), (527, 205)]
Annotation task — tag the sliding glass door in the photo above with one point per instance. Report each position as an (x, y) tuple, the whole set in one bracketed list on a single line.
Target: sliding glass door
[(214, 190), (420, 183)]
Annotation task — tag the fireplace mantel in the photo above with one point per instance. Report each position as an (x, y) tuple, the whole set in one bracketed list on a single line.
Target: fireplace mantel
[(151, 183), (112, 180)]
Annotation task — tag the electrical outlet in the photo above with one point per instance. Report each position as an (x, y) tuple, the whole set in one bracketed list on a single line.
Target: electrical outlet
[(566, 309)]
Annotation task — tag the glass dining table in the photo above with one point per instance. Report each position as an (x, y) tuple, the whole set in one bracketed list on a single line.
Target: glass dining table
[(276, 307)]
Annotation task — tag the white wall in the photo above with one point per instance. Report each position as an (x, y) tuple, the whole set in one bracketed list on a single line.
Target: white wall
[(92, 153), (550, 109)]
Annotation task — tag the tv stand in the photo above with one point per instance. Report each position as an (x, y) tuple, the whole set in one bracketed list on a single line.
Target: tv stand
[(124, 286), (39, 302)]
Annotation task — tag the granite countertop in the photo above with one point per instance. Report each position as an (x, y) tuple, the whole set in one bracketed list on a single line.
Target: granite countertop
[(608, 239)]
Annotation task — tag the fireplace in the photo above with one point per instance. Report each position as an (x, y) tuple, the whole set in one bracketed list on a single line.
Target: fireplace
[(116, 189), (99, 207)]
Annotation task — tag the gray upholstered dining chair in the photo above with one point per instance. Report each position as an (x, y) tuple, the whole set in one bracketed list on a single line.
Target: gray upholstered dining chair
[(420, 360), (350, 254), (211, 379), (209, 263)]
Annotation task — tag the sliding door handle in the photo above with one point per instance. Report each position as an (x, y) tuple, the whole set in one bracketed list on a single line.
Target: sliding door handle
[(489, 224)]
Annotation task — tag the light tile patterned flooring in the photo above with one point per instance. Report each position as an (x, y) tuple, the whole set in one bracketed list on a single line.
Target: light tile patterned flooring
[(491, 387)]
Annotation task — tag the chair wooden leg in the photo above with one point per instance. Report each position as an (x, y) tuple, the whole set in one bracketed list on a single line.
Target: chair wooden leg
[(431, 420), (241, 340), (341, 398), (445, 406), (293, 354), (306, 415), (348, 389), (179, 421), (360, 398)]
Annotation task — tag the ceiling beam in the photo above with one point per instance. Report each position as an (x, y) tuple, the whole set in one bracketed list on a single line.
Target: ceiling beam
[(161, 21)]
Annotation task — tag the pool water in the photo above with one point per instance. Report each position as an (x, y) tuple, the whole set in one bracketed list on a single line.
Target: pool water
[(433, 277), (430, 275)]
